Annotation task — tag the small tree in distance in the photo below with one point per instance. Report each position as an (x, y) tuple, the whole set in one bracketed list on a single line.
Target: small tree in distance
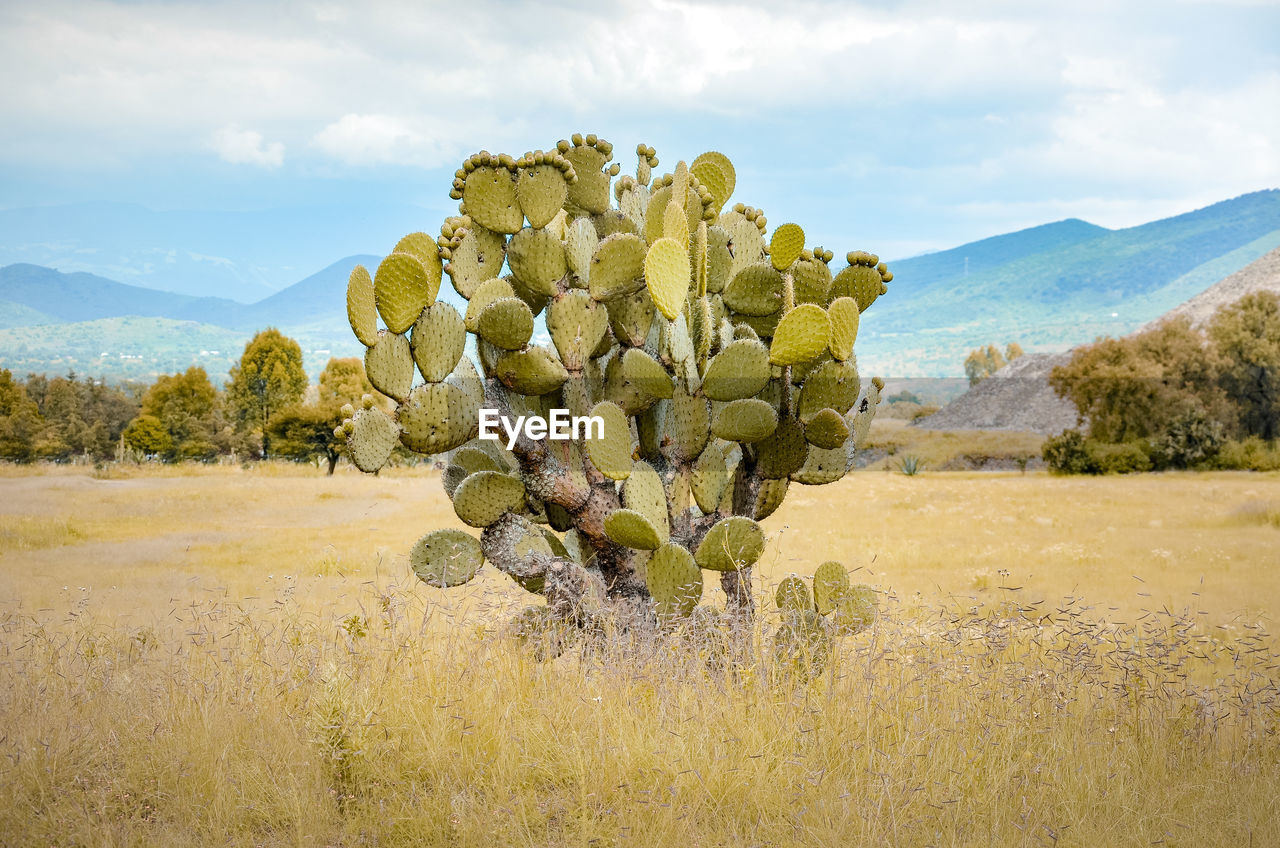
[(268, 378)]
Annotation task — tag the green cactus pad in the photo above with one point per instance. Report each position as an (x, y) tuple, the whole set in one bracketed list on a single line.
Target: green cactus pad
[(756, 290), (709, 478), (725, 167), (802, 644), (859, 282), (362, 309), (577, 324), (718, 259), (476, 259), (485, 294), (591, 192), (830, 584), (541, 192), (423, 248), (617, 267), (675, 225), (389, 365), (783, 453), (646, 374), (827, 429), (506, 323), (632, 529), (580, 245), (438, 341), (536, 301), (666, 271), (855, 610), (688, 424), (625, 393), (631, 316), (859, 417), (832, 384), (747, 420), (473, 459), (802, 335), (674, 581), (437, 417), (793, 595), (490, 198), (612, 454), (823, 466), (772, 493), (402, 287), (786, 245), (741, 370), (535, 371), (644, 493), (811, 281), (745, 243), (537, 260), (446, 557), (483, 497), (711, 176), (372, 439), (464, 376), (732, 544), (843, 313)]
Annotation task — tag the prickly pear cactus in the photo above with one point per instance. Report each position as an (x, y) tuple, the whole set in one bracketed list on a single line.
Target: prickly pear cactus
[(716, 356)]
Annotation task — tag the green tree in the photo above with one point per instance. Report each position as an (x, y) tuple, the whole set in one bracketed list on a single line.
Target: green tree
[(188, 408), (268, 378), (147, 434), (20, 420), (1247, 337), (304, 431)]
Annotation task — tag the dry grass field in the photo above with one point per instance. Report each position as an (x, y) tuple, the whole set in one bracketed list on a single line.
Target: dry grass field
[(241, 657)]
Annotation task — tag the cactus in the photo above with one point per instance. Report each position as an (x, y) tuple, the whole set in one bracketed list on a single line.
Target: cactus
[(718, 357)]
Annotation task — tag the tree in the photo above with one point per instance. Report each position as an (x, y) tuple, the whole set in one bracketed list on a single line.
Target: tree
[(303, 431), (1012, 351), (20, 420), (982, 363), (1247, 337), (268, 378), (187, 407), (147, 434)]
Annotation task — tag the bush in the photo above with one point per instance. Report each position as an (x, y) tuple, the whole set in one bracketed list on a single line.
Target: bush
[(1252, 454), (1122, 458), (1191, 440), (1066, 453)]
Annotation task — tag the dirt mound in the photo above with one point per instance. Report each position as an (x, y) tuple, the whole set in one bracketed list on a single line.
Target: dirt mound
[(1017, 397), (1263, 274)]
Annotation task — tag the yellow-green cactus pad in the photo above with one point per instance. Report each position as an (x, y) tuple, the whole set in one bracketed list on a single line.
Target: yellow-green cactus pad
[(537, 259), (830, 583), (747, 420), (859, 282), (793, 595), (446, 557), (666, 272), (732, 544), (591, 192), (844, 315), (675, 225), (644, 493), (860, 416), (372, 439), (485, 294), (772, 493), (688, 424), (362, 309), (423, 248), (674, 581), (832, 385), (802, 645), (535, 371), (576, 324), (483, 497), (823, 466), (626, 394), (710, 175), (490, 198), (739, 371), (709, 479), (855, 611), (745, 243), (632, 529), (646, 374), (786, 245), (534, 300), (755, 290), (541, 191), (464, 376), (811, 281), (718, 259), (611, 455), (581, 242), (473, 459), (506, 323), (763, 325), (617, 267), (437, 417), (726, 169), (476, 259), (402, 288), (389, 365), (438, 341), (802, 335), (631, 316), (827, 429), (783, 453)]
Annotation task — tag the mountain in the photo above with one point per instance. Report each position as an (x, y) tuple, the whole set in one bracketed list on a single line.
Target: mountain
[(1260, 275), (85, 297)]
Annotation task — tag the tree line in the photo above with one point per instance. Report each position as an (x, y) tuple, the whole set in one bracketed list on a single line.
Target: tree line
[(267, 409)]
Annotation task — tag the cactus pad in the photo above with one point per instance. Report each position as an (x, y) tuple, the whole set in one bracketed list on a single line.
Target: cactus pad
[(612, 454), (674, 581), (617, 266), (802, 335), (643, 492), (445, 558), (855, 610), (733, 543), (741, 370), (362, 310), (646, 374), (535, 371), (477, 258), (437, 417), (402, 288), (784, 451), (786, 245), (483, 497), (827, 429), (756, 290), (726, 169), (438, 341), (830, 584), (541, 192), (666, 271), (748, 420), (490, 198), (632, 529), (580, 245), (389, 365), (793, 595), (823, 466), (688, 424), (506, 323), (537, 260), (833, 385), (772, 493), (577, 324), (709, 479), (372, 439), (844, 315)]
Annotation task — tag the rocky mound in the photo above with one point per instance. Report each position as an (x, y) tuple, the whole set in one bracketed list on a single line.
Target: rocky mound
[(1263, 274), (1017, 397)]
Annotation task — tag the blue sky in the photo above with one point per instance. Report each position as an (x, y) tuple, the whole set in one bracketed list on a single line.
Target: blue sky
[(894, 127)]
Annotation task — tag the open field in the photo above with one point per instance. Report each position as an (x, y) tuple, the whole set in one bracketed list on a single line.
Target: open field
[(232, 656)]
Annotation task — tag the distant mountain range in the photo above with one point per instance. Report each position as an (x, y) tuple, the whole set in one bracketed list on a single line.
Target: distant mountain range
[(1048, 288)]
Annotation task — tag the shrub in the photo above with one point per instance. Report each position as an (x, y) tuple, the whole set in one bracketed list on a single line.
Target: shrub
[(1066, 453), (1251, 454), (1122, 458), (1191, 439)]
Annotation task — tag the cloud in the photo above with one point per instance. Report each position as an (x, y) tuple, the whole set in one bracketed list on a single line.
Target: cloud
[(380, 140), (245, 147)]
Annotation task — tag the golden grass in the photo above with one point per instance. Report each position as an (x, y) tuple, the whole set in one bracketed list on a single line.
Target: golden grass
[(242, 658), (936, 448)]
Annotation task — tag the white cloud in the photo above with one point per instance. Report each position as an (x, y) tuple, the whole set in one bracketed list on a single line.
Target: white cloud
[(380, 140), (245, 147)]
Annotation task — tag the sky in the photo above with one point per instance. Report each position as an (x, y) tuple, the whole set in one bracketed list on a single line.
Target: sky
[(896, 127)]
